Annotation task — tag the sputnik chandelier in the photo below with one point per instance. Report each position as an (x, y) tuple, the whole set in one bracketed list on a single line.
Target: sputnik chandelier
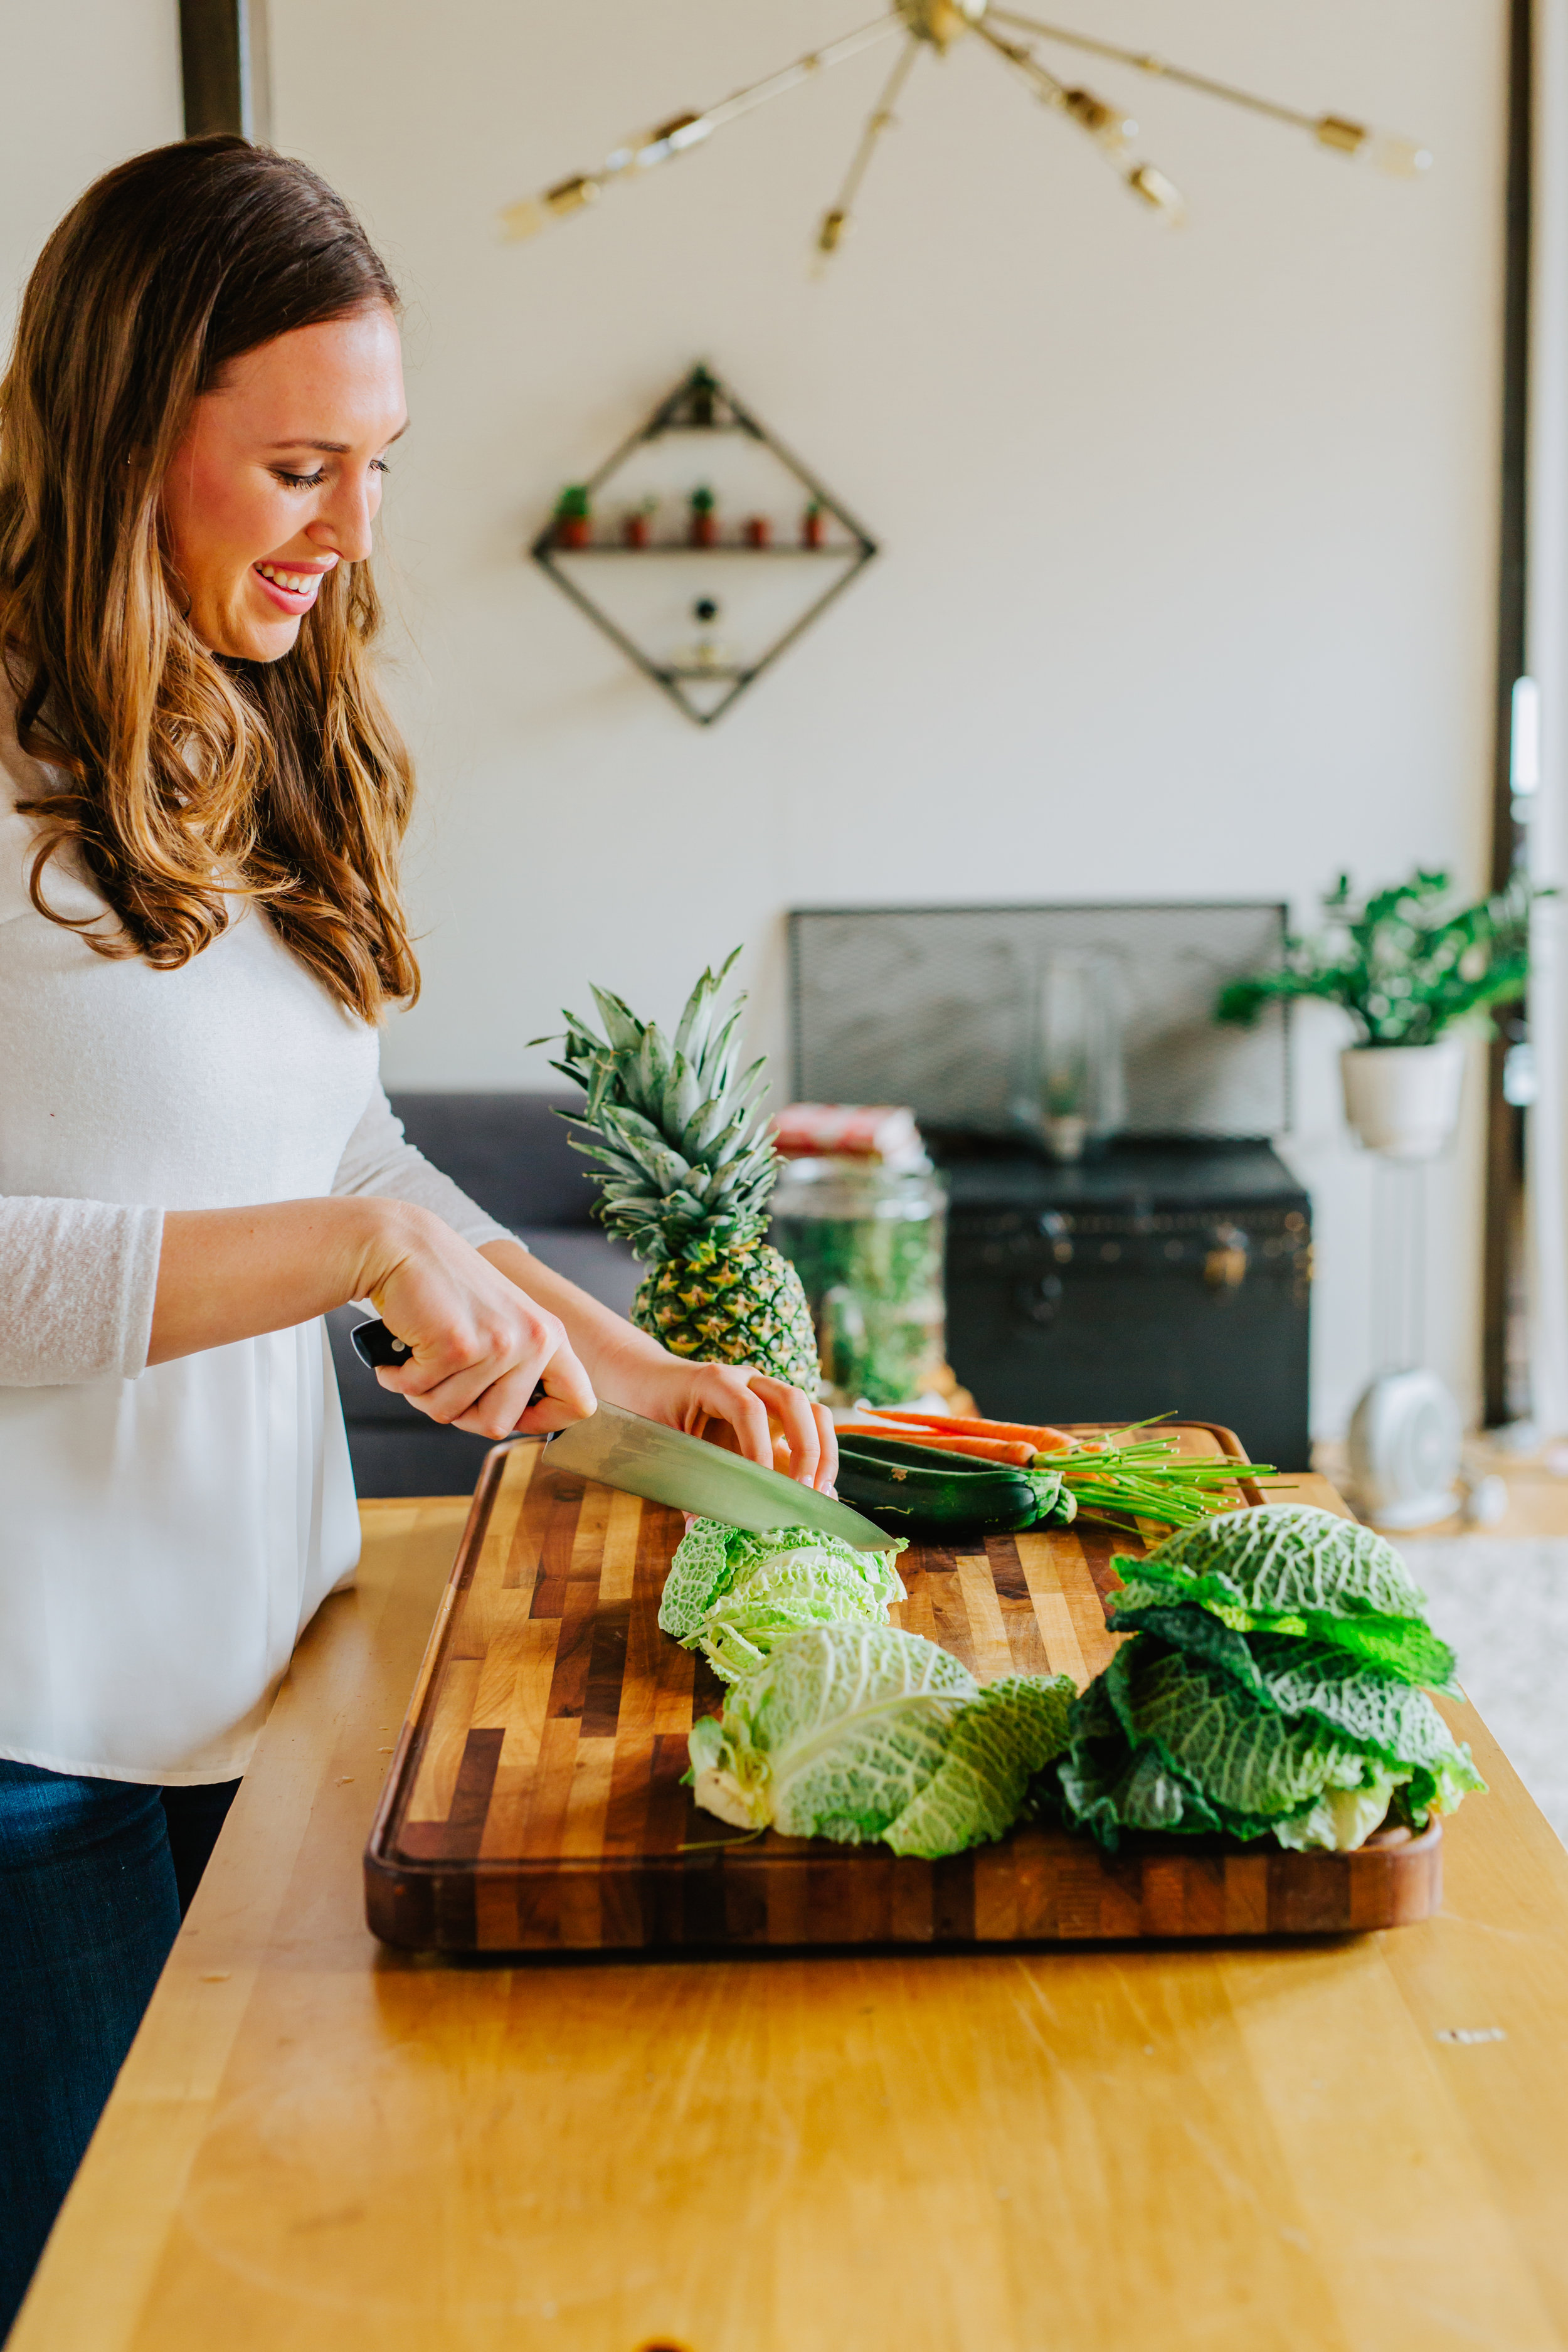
[(935, 25)]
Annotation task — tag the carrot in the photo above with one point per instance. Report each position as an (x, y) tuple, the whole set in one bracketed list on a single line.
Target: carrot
[(1040, 1435), (989, 1449)]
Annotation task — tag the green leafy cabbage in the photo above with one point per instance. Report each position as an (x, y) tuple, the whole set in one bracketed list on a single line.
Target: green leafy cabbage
[(860, 1731), (1270, 1689), (1285, 1568), (732, 1593)]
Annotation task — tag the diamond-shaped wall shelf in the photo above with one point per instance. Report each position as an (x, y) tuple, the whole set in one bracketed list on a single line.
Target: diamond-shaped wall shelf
[(703, 598)]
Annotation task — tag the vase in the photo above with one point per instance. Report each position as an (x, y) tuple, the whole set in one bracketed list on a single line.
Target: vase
[(1404, 1100)]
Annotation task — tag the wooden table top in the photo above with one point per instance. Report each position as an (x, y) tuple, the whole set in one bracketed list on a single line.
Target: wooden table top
[(317, 2144)]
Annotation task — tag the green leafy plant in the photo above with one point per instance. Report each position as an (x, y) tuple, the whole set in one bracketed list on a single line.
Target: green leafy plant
[(702, 499), (1406, 965), (571, 506)]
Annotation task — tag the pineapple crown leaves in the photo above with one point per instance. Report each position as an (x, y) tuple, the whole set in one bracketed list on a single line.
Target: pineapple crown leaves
[(682, 1155)]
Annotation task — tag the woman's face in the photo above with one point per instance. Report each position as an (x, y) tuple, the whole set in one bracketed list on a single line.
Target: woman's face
[(277, 479)]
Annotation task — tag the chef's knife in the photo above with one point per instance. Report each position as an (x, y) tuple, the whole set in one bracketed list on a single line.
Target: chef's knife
[(664, 1465)]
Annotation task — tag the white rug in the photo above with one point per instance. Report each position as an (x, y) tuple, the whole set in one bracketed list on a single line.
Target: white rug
[(1501, 1602)]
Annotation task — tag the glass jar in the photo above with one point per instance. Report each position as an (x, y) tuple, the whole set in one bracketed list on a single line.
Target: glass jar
[(868, 1243)]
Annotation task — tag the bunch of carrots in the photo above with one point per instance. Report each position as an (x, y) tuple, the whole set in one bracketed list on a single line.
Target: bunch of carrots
[(1125, 1475)]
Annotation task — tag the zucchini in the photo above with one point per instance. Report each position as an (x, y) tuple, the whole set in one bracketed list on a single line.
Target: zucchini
[(901, 1485)]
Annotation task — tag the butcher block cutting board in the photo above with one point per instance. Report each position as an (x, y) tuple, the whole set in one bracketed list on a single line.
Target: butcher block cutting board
[(536, 1799)]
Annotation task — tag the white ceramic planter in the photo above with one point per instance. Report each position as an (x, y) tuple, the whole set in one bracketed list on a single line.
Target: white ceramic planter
[(1404, 1100)]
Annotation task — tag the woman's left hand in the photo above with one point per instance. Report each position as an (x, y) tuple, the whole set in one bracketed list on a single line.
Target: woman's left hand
[(747, 1412), (729, 1404)]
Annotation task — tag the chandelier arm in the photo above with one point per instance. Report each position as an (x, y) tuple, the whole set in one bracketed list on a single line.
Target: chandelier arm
[(833, 53), (1097, 121), (684, 130), (1040, 78), (837, 220), (1146, 62)]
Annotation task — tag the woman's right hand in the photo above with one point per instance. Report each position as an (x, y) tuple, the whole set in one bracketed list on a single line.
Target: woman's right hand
[(481, 1345)]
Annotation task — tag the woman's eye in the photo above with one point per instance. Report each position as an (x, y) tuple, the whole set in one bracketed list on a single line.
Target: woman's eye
[(300, 481), (379, 466)]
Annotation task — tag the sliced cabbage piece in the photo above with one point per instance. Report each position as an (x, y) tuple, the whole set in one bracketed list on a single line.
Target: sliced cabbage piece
[(730, 1593), (834, 1736)]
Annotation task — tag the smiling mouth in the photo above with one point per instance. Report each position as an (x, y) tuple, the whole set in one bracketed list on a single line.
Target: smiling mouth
[(296, 591)]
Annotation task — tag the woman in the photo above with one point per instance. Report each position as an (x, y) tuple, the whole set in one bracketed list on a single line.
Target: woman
[(200, 929)]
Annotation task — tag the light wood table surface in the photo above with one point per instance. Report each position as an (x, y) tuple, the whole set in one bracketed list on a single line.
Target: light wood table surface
[(319, 2144)]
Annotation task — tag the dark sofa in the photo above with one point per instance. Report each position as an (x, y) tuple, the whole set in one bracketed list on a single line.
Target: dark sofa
[(511, 1154)]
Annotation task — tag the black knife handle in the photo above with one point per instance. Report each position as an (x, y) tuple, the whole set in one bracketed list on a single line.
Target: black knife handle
[(374, 1344)]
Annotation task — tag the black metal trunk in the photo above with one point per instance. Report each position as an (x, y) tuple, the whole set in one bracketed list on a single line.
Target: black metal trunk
[(1159, 1278)]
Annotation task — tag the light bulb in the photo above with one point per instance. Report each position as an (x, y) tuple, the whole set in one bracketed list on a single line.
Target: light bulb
[(1158, 194), (1112, 130), (1402, 159), (527, 218)]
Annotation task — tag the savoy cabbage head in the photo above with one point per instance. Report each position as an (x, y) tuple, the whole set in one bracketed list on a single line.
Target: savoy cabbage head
[(860, 1731), (1271, 1687), (732, 1593)]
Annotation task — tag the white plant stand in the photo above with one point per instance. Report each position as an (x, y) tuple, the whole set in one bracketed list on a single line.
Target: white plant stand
[(1407, 1436)]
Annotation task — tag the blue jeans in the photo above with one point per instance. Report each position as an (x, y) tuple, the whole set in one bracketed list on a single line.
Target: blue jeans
[(95, 1876)]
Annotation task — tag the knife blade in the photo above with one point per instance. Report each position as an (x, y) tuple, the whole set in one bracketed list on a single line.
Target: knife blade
[(664, 1465)]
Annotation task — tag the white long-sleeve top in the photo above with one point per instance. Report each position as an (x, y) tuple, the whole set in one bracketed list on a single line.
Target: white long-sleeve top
[(166, 1532)]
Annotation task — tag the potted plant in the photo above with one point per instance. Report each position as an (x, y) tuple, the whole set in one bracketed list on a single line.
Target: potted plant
[(813, 524), (1412, 971), (638, 522), (574, 523), (704, 521)]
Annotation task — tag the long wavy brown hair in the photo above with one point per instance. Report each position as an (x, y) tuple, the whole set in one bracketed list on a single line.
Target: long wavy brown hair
[(190, 784)]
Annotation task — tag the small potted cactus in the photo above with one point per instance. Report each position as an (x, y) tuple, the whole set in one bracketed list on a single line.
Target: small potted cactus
[(704, 521), (759, 531), (573, 522), (813, 524), (638, 523)]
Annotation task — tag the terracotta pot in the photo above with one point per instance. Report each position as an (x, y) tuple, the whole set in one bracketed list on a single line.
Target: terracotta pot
[(573, 530), (634, 531), (813, 528), (759, 531), (704, 530), (1404, 1100)]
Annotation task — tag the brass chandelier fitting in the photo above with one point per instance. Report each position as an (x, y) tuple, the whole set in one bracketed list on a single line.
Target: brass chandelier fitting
[(935, 25)]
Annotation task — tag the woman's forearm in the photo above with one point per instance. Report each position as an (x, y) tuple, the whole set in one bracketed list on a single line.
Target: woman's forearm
[(231, 1274)]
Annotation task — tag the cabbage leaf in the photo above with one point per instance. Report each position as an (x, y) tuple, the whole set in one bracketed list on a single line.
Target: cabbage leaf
[(1286, 1569), (998, 1743)]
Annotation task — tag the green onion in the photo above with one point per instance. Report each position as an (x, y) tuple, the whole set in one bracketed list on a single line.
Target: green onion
[(1127, 1478)]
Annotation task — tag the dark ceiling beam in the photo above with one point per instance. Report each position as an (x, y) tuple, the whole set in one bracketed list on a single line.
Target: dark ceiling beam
[(224, 63)]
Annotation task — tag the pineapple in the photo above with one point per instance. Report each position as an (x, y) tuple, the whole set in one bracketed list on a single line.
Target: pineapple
[(687, 1166)]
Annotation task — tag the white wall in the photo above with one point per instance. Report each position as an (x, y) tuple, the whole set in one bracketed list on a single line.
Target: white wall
[(84, 84), (1188, 569)]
